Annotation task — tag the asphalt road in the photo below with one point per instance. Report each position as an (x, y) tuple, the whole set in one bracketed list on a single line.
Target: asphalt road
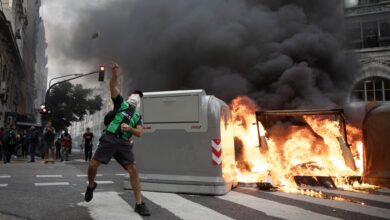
[(55, 191)]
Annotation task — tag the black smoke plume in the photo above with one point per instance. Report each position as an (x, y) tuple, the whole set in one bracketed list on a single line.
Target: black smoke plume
[(283, 54)]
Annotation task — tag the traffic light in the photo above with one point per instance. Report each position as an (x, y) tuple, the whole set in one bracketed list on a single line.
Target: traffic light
[(102, 69), (43, 110)]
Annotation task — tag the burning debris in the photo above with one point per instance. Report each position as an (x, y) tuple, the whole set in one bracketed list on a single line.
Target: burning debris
[(297, 148)]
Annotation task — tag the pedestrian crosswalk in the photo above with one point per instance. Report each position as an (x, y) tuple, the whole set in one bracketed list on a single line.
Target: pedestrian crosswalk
[(268, 207), (111, 202), (184, 207), (109, 205)]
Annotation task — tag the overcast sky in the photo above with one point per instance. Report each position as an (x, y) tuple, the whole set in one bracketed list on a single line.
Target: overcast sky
[(59, 17)]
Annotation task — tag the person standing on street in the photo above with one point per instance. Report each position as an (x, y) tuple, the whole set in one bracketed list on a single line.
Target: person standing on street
[(66, 144), (49, 134), (32, 141), (58, 148), (116, 142), (88, 137), (9, 143), (24, 143)]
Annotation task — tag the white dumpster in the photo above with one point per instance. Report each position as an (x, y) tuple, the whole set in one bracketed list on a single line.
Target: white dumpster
[(185, 148)]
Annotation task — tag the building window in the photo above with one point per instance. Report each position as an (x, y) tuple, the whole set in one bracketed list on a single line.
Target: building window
[(384, 33), (367, 2), (354, 35), (371, 89), (370, 34), (369, 31)]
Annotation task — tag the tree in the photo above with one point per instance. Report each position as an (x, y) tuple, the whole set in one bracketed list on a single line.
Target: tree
[(68, 103)]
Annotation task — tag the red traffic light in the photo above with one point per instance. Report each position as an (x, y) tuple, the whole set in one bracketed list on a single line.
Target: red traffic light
[(102, 69)]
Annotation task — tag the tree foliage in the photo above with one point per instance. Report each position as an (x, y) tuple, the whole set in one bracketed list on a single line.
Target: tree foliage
[(69, 103)]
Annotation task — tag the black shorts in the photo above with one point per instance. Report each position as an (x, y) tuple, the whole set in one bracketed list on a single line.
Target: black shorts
[(112, 146)]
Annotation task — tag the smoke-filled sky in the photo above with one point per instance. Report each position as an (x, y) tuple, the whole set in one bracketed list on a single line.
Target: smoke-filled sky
[(284, 54)]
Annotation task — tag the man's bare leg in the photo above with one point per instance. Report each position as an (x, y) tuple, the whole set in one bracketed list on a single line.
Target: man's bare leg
[(135, 184), (92, 170)]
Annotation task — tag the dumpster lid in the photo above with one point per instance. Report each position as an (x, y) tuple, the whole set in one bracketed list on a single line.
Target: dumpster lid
[(175, 93)]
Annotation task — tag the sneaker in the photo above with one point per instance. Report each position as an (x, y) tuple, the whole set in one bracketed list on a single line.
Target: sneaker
[(89, 193), (142, 209)]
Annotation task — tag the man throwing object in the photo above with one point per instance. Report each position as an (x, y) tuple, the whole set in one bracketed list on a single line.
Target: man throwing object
[(115, 142)]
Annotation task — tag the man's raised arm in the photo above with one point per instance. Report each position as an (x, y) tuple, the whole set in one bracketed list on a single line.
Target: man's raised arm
[(114, 84)]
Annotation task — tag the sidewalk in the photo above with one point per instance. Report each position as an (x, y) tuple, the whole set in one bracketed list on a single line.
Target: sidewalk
[(76, 153)]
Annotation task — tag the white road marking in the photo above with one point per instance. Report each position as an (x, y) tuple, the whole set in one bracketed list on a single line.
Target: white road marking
[(3, 184), (103, 182), (79, 160), (5, 176), (52, 184), (384, 190), (183, 208), (49, 176), (109, 205), (378, 198), (10, 217), (85, 175), (120, 174), (272, 208), (363, 209)]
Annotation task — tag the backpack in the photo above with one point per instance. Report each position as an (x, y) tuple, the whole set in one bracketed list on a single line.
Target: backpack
[(109, 117)]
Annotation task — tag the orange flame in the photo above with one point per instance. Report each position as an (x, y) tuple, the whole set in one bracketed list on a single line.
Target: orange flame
[(313, 150)]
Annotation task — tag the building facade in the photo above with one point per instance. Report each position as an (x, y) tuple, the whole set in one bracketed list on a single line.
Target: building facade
[(94, 121), (13, 23), (368, 35), (22, 60)]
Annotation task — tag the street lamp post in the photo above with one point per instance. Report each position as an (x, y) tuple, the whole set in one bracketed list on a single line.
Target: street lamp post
[(77, 75)]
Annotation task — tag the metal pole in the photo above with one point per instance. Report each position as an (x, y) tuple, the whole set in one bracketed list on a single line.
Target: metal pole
[(76, 74), (57, 83)]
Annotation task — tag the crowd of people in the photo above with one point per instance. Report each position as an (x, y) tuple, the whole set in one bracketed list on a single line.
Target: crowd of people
[(47, 144)]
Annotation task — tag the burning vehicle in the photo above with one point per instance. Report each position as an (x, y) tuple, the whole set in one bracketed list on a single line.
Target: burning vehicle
[(294, 148)]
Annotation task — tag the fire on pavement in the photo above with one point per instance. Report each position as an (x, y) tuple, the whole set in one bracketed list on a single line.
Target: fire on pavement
[(294, 150)]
